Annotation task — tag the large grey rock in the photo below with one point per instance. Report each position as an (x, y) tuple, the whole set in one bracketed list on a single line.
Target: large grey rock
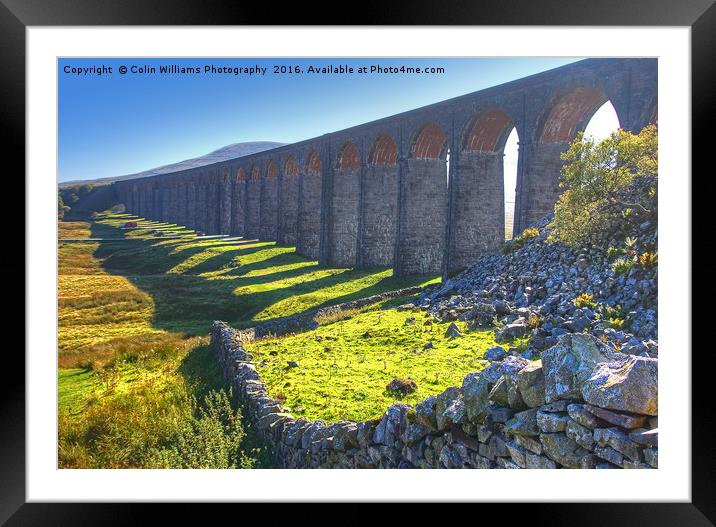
[(444, 407), (295, 430), (389, 427), (537, 461), (476, 387), (585, 418), (313, 430), (450, 458), (454, 412), (453, 331), (483, 314), (530, 443), (630, 385), (619, 441), (366, 430), (498, 394), (609, 454), (495, 353), (571, 362), (563, 450), (625, 420), (414, 430), (270, 420), (530, 382), (552, 422), (346, 436), (581, 435), (523, 423), (425, 412), (517, 453), (514, 398), (511, 332)]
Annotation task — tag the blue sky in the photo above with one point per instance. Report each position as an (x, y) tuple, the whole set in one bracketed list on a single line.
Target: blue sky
[(115, 124)]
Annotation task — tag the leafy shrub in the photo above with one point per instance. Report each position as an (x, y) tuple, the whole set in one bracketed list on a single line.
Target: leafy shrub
[(520, 240), (613, 252), (534, 321), (648, 259), (617, 323), (614, 315), (593, 175), (212, 438), (622, 266), (606, 311), (585, 300)]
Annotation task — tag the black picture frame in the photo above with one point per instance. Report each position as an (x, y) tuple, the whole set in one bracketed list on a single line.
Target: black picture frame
[(16, 15)]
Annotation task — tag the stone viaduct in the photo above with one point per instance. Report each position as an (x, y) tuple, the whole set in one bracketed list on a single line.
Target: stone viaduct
[(421, 191)]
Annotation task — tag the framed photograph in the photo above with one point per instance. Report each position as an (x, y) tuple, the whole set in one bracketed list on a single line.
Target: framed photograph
[(257, 249)]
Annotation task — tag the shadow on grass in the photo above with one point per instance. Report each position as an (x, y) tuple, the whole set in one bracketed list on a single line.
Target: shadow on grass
[(157, 256), (202, 372), (189, 302)]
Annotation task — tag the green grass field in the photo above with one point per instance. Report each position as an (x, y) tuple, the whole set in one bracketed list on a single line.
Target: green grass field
[(133, 317), (344, 366)]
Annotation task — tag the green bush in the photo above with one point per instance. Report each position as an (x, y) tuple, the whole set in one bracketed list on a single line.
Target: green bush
[(616, 317), (648, 259), (593, 175), (613, 252), (212, 438), (158, 426), (534, 321), (622, 266), (585, 300), (519, 241)]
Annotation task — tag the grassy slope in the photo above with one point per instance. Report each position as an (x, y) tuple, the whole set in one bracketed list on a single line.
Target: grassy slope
[(344, 367), (137, 313)]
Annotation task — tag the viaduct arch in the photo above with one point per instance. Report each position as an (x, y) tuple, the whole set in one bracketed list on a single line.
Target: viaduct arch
[(421, 191)]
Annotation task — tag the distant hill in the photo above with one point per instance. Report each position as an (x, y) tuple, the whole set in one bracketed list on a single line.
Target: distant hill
[(226, 152)]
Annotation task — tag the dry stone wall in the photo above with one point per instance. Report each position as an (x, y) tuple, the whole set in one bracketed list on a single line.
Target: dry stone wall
[(580, 406)]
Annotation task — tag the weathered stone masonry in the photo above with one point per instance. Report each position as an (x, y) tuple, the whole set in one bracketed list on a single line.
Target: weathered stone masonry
[(564, 411), (421, 191)]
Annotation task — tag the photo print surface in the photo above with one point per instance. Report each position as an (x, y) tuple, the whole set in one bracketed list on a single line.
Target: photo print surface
[(358, 263)]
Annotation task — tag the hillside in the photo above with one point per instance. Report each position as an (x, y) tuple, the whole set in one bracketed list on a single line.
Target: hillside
[(222, 154)]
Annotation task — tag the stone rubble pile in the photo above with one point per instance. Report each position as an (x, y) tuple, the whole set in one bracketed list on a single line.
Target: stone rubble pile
[(532, 291), (582, 405)]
